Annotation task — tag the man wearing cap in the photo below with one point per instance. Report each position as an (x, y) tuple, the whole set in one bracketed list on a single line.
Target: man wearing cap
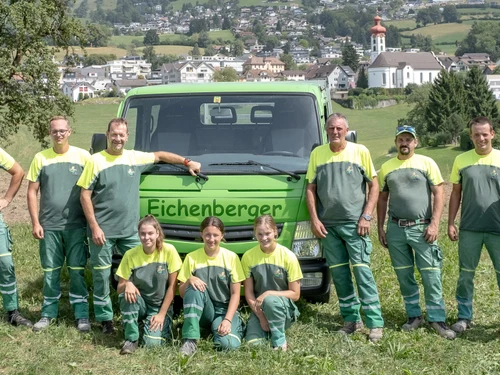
[(411, 180), (338, 175), (476, 182)]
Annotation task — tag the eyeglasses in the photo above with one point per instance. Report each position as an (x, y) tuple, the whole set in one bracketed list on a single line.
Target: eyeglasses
[(56, 132)]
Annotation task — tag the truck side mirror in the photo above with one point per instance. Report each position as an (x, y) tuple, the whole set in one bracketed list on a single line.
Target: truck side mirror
[(352, 136), (98, 143)]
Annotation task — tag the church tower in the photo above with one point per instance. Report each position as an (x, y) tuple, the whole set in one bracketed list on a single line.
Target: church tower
[(377, 39)]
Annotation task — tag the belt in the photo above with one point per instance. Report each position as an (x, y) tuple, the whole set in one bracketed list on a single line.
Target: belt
[(409, 223)]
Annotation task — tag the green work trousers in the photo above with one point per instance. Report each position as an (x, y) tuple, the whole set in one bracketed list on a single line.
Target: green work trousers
[(407, 246), (55, 247), (140, 310), (8, 285), (280, 312), (342, 246), (470, 245), (199, 311), (100, 260)]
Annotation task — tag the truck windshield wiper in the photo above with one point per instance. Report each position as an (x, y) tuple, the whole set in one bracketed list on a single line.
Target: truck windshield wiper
[(251, 162), (184, 169)]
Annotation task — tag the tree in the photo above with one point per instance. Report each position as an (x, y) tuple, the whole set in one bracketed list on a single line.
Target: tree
[(450, 13), (29, 89), (237, 48), (151, 38), (216, 22), (198, 25), (480, 99), (482, 37), (362, 81), (350, 57), (97, 35), (82, 10), (226, 23), (288, 60), (98, 59), (392, 37), (226, 75), (196, 50)]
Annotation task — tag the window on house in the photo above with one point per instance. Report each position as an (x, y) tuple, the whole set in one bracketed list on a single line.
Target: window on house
[(421, 77), (393, 78), (189, 69), (407, 74), (201, 75), (384, 79), (430, 77)]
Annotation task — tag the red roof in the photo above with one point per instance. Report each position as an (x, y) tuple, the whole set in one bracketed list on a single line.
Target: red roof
[(378, 28)]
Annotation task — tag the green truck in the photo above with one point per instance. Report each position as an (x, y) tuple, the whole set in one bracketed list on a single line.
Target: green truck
[(253, 141)]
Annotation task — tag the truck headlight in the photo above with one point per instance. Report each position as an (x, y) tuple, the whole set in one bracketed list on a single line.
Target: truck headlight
[(305, 244)]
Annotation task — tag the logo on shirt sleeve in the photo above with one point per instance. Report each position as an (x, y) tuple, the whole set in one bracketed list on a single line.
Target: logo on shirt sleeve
[(278, 274), (131, 172), (73, 170), (222, 276), (160, 269)]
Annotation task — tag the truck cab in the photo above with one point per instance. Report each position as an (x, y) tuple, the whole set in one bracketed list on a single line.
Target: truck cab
[(253, 141)]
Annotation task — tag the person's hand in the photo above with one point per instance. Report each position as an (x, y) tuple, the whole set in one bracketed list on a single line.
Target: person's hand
[(194, 167), (453, 232), (197, 283), (224, 327), (363, 227), (98, 236), (318, 229), (156, 322), (382, 237), (260, 300), (431, 233), (264, 324), (131, 292), (37, 231), (3, 203)]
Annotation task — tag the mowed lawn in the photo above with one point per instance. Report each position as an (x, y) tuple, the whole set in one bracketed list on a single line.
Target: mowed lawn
[(314, 347), (445, 32)]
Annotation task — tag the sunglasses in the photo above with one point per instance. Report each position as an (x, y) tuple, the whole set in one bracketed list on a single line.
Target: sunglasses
[(405, 128)]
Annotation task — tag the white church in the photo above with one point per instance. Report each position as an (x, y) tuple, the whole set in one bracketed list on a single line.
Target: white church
[(398, 69)]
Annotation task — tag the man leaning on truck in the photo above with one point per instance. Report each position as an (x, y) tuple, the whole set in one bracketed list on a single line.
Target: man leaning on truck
[(337, 176), (110, 201)]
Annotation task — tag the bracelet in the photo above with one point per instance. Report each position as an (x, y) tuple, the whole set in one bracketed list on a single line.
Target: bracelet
[(186, 161), (227, 320)]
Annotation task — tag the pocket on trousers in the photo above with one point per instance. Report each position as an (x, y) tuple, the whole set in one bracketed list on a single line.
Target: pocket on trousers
[(437, 256), (6, 237), (366, 248)]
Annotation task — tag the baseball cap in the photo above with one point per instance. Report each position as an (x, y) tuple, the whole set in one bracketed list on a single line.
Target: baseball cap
[(406, 129)]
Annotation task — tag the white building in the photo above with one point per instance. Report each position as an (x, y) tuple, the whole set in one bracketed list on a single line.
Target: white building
[(398, 69), (494, 84), (77, 90), (128, 68), (187, 72)]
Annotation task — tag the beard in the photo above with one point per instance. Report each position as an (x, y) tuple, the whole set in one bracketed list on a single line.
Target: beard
[(404, 150)]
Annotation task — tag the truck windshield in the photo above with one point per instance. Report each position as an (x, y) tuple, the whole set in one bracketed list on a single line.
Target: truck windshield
[(275, 129)]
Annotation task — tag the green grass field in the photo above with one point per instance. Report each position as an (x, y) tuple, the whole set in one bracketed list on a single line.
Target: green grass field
[(401, 24), (314, 347)]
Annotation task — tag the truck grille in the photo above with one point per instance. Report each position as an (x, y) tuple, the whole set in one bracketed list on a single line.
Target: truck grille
[(240, 233)]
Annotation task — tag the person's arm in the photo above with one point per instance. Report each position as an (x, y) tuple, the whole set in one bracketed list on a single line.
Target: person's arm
[(37, 230), (432, 231), (16, 178), (158, 320), (171, 158), (363, 224), (250, 298), (317, 226), (455, 198), (383, 198), (234, 301), (88, 209), (129, 290)]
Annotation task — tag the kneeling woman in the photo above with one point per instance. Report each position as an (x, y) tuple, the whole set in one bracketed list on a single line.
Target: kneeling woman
[(148, 278), (210, 281), (272, 285)]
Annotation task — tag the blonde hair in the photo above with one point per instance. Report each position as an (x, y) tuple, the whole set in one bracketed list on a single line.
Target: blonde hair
[(265, 220), (151, 220)]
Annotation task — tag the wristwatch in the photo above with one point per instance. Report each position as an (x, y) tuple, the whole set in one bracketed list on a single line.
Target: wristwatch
[(366, 217)]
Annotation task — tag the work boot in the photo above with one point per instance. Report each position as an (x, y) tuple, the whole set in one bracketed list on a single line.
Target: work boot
[(413, 323), (83, 325), (375, 334), (443, 330), (188, 347), (108, 327), (15, 318), (129, 347), (350, 327), (461, 325), (283, 347), (42, 324)]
